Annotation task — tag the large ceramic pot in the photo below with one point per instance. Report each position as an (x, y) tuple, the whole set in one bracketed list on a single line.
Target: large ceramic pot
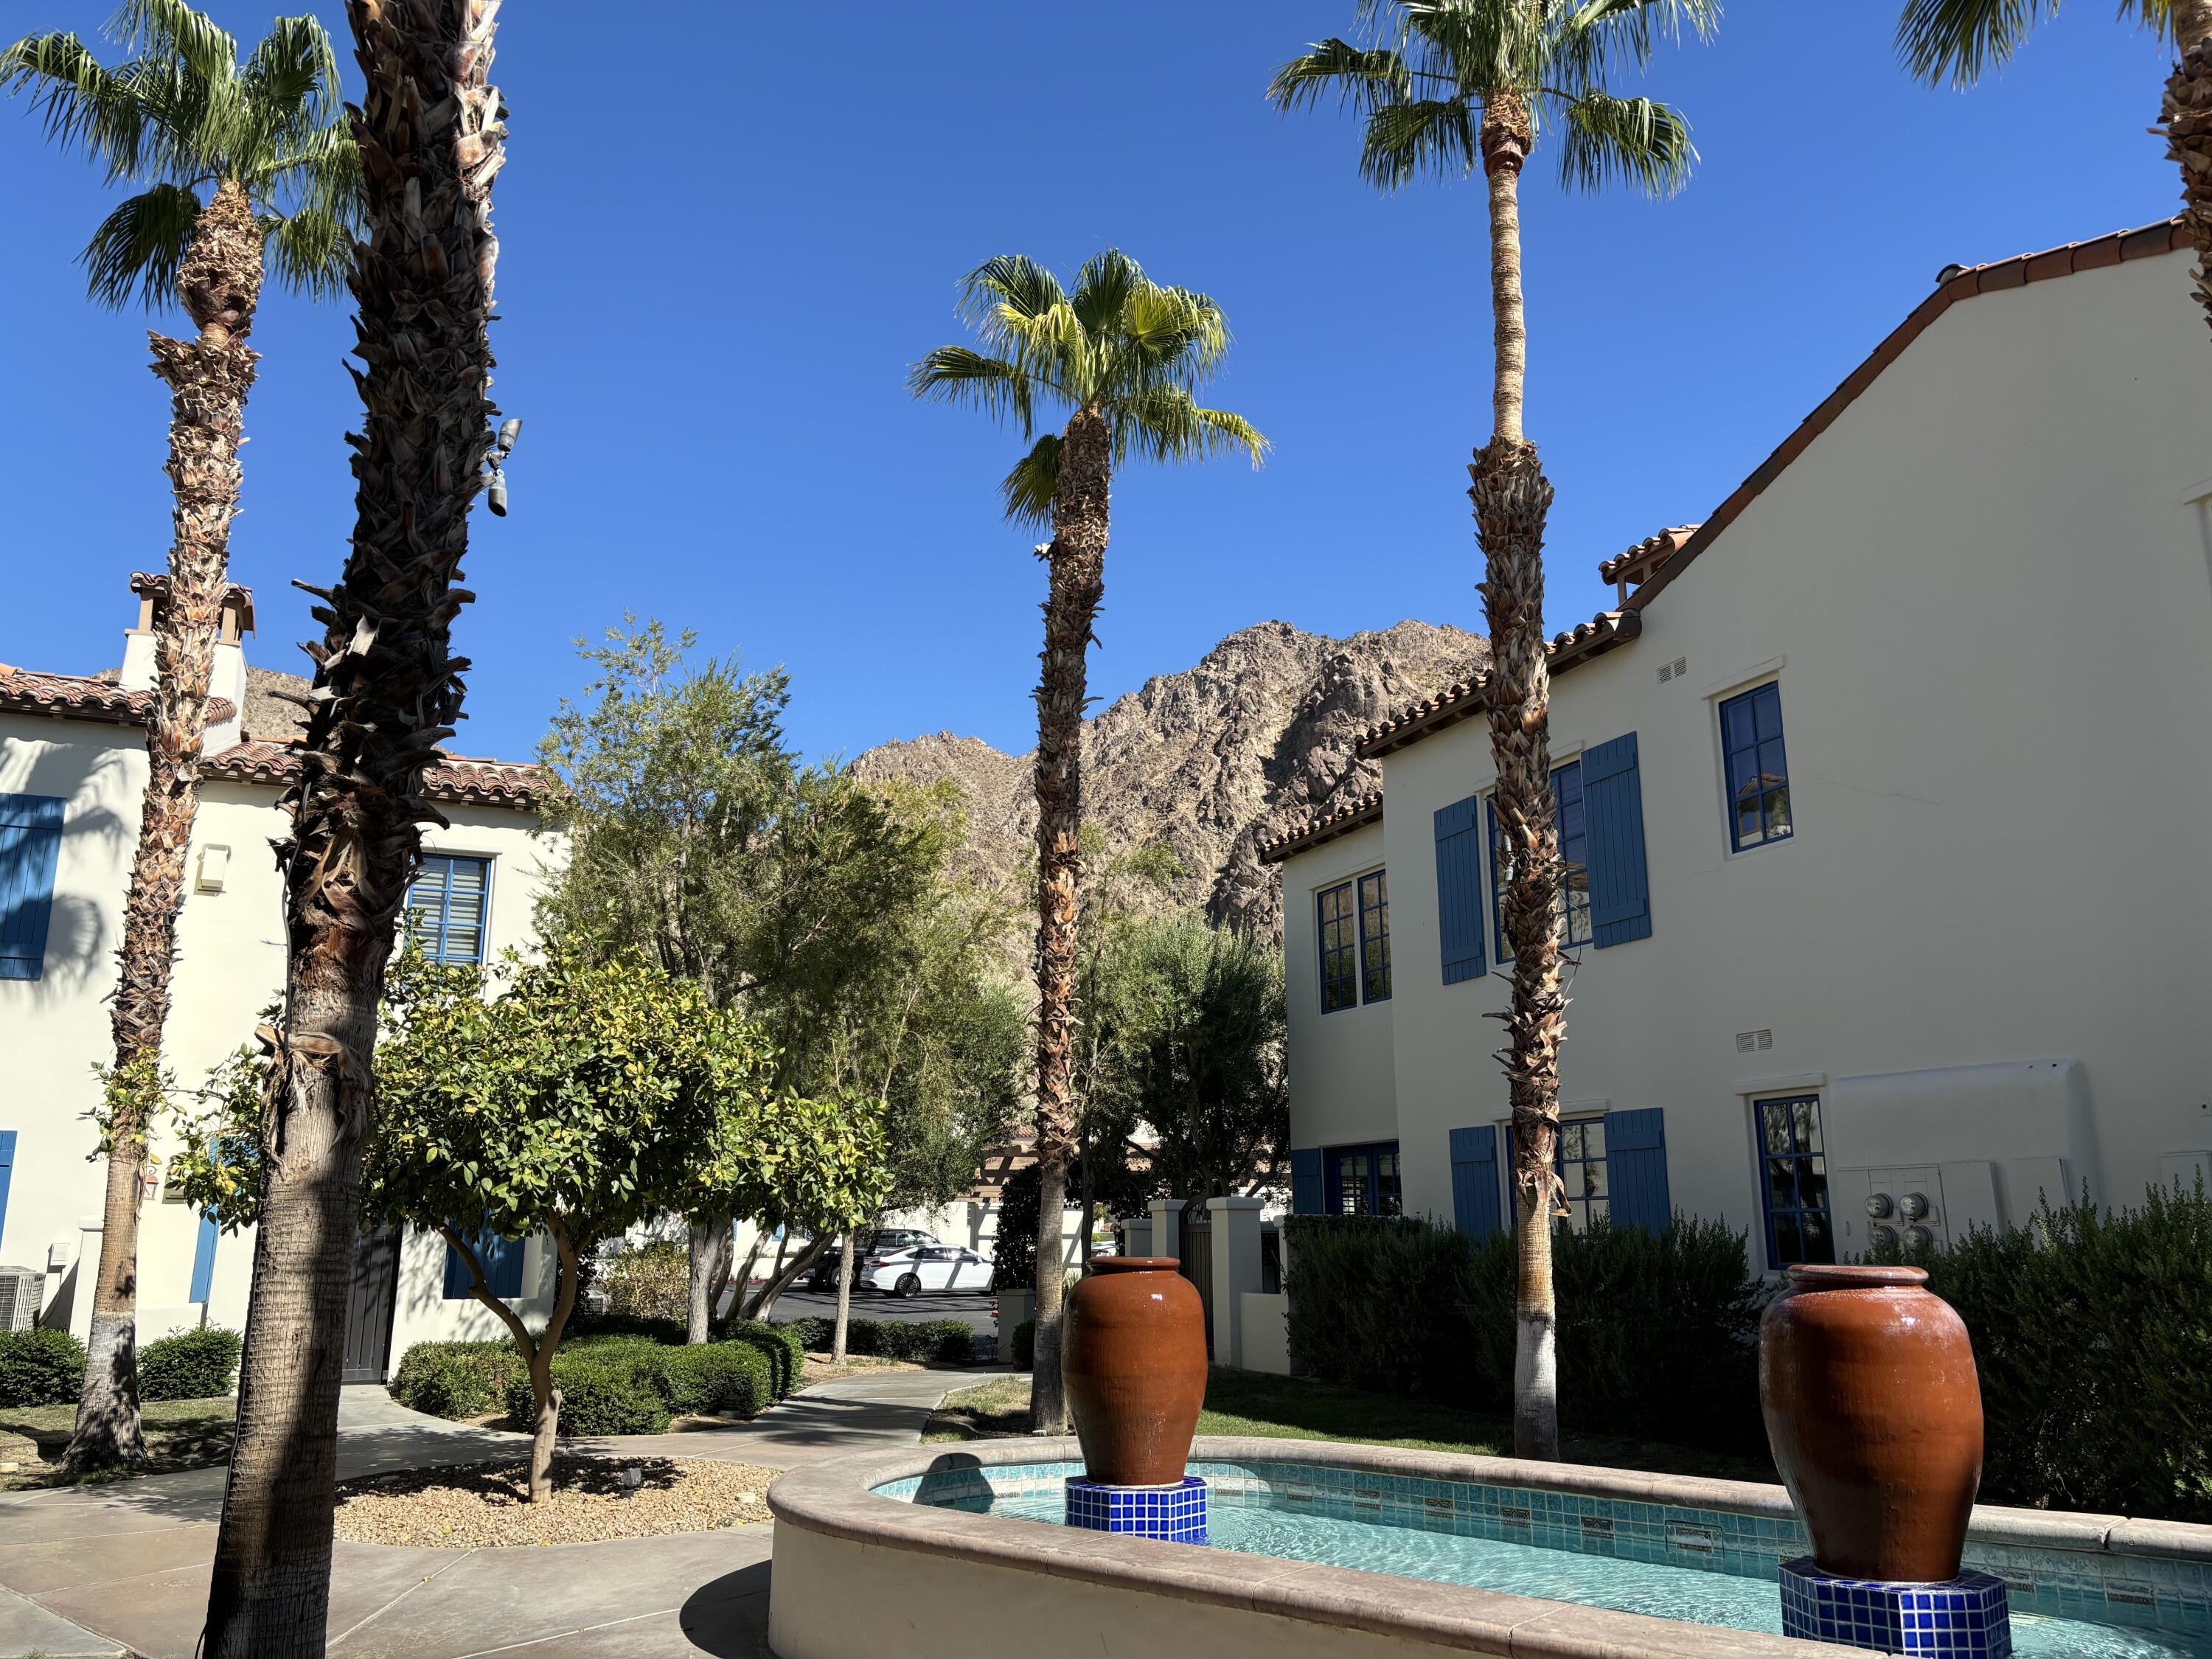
[(1873, 1410), (1135, 1360)]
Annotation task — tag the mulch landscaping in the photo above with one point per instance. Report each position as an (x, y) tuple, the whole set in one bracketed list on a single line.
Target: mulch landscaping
[(485, 1505)]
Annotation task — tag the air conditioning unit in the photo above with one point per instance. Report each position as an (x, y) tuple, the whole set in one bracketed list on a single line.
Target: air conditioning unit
[(20, 1291)]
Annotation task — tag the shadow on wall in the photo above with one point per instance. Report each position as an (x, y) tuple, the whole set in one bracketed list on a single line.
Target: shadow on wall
[(95, 835)]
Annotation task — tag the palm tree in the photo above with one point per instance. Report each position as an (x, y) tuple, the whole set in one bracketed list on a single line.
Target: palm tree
[(267, 140), (1125, 357), (1443, 87), (1955, 40), (387, 690)]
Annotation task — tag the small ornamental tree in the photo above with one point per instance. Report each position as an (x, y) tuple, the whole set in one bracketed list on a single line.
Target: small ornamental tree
[(578, 1099)]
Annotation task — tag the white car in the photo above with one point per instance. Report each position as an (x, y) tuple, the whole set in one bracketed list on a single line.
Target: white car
[(926, 1268)]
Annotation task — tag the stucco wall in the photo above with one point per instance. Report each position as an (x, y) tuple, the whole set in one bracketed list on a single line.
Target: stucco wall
[(1985, 594), (1342, 1065)]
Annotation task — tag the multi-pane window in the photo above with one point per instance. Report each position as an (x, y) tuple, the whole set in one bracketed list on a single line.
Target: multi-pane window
[(1339, 949), (1757, 767), (446, 907), (1581, 1170), (1574, 857), (1374, 937), (1796, 1182), (1365, 1180)]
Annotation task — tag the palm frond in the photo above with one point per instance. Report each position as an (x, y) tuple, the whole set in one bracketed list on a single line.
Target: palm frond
[(999, 387), (1014, 280), (82, 106), (1103, 287), (1028, 489), (292, 78), (1634, 141), (1603, 37), (170, 29), (1436, 135), (1362, 78), (311, 250), (1956, 40), (135, 253), (1167, 424)]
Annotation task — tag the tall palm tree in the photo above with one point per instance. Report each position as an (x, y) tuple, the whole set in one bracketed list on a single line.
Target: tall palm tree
[(387, 690), (267, 141), (1955, 40), (1444, 86), (1125, 356)]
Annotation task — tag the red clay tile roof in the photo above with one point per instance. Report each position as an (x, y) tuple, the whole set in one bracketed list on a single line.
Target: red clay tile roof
[(1647, 556), (80, 697), (518, 784), (1955, 284), (1606, 631), (1354, 815)]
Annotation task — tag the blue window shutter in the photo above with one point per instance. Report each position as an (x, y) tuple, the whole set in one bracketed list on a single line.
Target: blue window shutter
[(1305, 1181), (7, 1169), (503, 1265), (1612, 801), (204, 1259), (457, 1274), (1635, 1154), (30, 851), (1474, 1181), (1459, 889)]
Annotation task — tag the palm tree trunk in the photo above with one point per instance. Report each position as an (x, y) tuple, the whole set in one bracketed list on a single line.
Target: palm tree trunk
[(1511, 499), (209, 378), (1077, 560), (2187, 118), (387, 691)]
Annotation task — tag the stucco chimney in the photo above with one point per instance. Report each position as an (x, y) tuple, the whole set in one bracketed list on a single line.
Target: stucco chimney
[(139, 667)]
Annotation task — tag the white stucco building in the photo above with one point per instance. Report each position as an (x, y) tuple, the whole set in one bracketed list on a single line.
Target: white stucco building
[(1871, 783), (72, 775)]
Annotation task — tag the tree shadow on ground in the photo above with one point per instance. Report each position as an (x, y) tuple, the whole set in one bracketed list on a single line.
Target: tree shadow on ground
[(727, 1617)]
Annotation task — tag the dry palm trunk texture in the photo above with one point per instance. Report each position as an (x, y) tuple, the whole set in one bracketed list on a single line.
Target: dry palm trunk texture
[(209, 377), (386, 692), (2187, 119), (1075, 557), (1512, 499)]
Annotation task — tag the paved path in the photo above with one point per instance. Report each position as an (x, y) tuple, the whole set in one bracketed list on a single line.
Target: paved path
[(124, 1567)]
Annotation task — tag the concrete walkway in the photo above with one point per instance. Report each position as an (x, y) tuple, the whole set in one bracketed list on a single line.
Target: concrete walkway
[(123, 1568)]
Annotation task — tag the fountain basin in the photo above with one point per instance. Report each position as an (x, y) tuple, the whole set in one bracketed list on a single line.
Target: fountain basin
[(932, 1551)]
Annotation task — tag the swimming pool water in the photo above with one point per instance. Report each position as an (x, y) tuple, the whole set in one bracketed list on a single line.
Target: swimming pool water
[(1624, 1585)]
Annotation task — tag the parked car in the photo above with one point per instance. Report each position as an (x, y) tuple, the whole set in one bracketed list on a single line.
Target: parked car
[(926, 1268), (881, 1240)]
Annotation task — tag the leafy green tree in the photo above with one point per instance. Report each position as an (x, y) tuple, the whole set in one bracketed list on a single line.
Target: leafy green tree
[(1443, 87), (267, 139), (1958, 41), (1125, 357)]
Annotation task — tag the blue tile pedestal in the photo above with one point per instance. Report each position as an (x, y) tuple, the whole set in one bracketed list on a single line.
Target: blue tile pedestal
[(1962, 1617), (1176, 1513)]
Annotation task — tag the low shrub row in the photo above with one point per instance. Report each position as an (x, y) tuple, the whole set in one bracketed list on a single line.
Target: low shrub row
[(1657, 1336), (456, 1379), (42, 1367), (943, 1341)]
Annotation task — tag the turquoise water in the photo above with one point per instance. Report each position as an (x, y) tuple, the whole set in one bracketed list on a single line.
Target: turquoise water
[(1595, 1581)]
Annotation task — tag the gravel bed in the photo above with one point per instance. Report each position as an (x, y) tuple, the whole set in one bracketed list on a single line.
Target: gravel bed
[(483, 1505)]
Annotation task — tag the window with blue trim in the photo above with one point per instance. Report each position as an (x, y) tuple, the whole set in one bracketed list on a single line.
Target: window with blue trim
[(1794, 1183), (1582, 1173), (1574, 859), (1339, 949), (447, 904), (1364, 1180), (1374, 937), (1757, 767)]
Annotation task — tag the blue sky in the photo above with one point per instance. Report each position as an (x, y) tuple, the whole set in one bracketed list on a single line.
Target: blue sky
[(711, 285)]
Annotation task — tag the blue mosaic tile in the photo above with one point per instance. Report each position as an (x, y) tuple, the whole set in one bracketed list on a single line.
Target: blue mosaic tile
[(1175, 1515), (1966, 1618)]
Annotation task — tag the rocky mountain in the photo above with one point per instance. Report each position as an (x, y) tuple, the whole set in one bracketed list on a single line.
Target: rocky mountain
[(1212, 762)]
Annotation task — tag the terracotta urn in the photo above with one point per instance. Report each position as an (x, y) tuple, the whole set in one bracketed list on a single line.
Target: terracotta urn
[(1873, 1410), (1134, 1361)]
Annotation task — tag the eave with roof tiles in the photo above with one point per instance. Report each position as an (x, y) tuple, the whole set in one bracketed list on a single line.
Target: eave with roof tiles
[(1353, 815), (450, 778), (80, 698)]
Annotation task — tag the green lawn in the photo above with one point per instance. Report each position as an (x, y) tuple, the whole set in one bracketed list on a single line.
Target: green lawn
[(1262, 1407), (180, 1434), (163, 1417)]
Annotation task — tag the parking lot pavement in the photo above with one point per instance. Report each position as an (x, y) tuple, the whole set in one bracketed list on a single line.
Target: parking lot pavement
[(876, 1305)]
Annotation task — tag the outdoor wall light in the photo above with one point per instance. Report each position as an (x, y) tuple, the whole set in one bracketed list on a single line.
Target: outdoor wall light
[(495, 496)]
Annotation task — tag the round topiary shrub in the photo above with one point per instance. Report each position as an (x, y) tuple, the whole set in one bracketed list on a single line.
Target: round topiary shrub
[(457, 1380), (189, 1365)]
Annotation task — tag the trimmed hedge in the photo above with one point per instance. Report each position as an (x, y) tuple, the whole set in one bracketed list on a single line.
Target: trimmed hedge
[(2092, 1332), (190, 1366), (943, 1341), (627, 1385), (1025, 1344), (584, 1323), (1658, 1331), (780, 1344), (40, 1367), (457, 1379)]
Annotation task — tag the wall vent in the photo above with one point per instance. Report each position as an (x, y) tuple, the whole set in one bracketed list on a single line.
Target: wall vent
[(1681, 666), (1666, 672), (1674, 670), (1753, 1043), (19, 1289)]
